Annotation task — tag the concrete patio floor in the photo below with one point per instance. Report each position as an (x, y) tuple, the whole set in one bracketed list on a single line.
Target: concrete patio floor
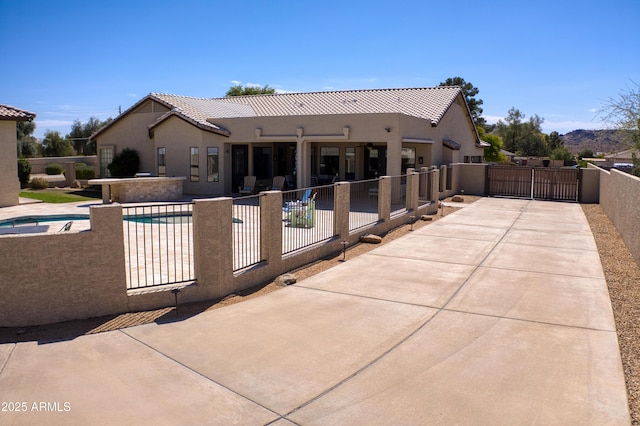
[(496, 314)]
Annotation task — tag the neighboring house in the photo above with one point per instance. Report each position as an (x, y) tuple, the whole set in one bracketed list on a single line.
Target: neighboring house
[(314, 137), (10, 184), (621, 157), (510, 156)]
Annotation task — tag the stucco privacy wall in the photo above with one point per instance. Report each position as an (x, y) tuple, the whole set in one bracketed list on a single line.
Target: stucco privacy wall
[(59, 277), (9, 183), (620, 199), (38, 164)]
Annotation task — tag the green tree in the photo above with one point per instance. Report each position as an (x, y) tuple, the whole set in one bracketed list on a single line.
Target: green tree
[(492, 153), (585, 153), (623, 113), (562, 153), (525, 138), (554, 141), (54, 145), (80, 133), (125, 163), (470, 93), (27, 144), (240, 90), (24, 172)]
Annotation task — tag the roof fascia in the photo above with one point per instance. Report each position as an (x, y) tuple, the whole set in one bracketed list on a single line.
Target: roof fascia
[(178, 114), (129, 111)]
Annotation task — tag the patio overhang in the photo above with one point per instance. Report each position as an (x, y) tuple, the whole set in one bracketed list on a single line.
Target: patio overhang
[(417, 140), (451, 144)]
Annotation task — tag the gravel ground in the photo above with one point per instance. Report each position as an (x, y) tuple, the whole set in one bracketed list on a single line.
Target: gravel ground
[(621, 271), (623, 278)]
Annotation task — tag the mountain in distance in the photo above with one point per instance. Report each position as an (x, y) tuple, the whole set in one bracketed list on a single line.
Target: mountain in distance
[(599, 141)]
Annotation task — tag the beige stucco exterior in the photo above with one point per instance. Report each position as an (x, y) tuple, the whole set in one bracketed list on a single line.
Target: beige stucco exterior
[(10, 187), (304, 135), (132, 132)]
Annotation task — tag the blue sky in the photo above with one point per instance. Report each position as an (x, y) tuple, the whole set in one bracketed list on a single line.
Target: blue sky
[(68, 60)]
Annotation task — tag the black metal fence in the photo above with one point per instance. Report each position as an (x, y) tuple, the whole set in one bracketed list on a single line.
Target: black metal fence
[(307, 217), (246, 232), (363, 208), (158, 244), (398, 195), (424, 188)]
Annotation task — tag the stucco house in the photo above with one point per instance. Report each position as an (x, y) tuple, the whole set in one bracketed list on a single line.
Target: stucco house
[(309, 137), (10, 184)]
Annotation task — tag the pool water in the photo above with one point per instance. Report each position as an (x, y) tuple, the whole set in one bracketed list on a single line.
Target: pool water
[(40, 220)]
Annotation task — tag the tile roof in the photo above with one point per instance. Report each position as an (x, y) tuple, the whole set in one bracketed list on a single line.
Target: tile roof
[(10, 113), (427, 103), (197, 110)]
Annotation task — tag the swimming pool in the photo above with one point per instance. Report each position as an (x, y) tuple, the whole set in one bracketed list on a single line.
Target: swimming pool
[(37, 220)]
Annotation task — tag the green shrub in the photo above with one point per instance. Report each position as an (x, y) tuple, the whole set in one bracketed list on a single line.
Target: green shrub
[(125, 163), (80, 166), (24, 172), (39, 183), (86, 173), (53, 169)]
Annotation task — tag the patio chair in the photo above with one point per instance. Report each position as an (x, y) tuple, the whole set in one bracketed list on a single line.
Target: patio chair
[(290, 181), (278, 183), (303, 215), (248, 187), (291, 205), (66, 227)]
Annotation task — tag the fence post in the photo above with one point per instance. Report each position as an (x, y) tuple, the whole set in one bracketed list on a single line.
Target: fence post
[(443, 178), (341, 208), (413, 187), (424, 181), (271, 227), (384, 198), (434, 185), (212, 245)]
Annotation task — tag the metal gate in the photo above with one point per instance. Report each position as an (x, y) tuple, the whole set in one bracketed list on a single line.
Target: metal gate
[(533, 182)]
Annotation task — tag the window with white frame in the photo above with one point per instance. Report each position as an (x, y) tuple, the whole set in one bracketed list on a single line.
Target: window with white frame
[(212, 164), (105, 157), (162, 161), (195, 164)]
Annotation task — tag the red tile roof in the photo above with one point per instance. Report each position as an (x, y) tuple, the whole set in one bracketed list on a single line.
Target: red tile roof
[(9, 113)]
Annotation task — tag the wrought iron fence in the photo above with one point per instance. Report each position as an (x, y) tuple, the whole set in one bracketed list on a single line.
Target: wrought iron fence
[(308, 217), (246, 232), (424, 188), (398, 194), (158, 244), (363, 209)]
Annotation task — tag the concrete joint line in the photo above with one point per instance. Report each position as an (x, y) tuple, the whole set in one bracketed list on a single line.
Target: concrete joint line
[(198, 373), (8, 358), (575, 327), (365, 297), (408, 336)]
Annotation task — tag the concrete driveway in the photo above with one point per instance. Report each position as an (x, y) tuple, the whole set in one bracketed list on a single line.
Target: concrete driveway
[(497, 314)]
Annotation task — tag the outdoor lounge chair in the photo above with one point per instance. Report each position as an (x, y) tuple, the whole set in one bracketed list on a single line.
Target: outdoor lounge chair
[(278, 183), (290, 205), (66, 227), (290, 181), (248, 186), (302, 214)]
